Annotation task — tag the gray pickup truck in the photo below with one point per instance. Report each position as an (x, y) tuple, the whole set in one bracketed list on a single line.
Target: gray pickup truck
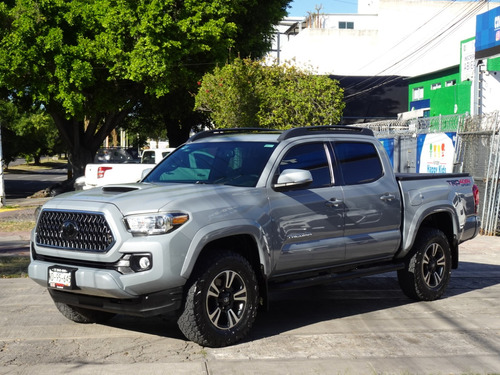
[(234, 213)]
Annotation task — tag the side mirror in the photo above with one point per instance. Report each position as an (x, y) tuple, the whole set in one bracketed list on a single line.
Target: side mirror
[(293, 178), (145, 172)]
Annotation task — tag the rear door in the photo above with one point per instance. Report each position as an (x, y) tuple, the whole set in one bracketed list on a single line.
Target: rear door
[(372, 201)]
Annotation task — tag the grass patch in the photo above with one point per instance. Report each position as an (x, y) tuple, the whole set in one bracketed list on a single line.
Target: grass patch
[(14, 267), (16, 225), (44, 165)]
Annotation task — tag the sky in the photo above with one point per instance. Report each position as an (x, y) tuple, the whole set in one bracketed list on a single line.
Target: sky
[(300, 8)]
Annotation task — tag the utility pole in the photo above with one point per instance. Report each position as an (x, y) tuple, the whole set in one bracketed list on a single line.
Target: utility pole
[(2, 190)]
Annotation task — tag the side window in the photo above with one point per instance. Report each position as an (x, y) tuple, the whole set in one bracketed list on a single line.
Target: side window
[(311, 157), (359, 162), (148, 157)]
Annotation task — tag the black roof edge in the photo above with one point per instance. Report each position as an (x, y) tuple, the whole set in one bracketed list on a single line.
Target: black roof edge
[(225, 131), (287, 134), (326, 129)]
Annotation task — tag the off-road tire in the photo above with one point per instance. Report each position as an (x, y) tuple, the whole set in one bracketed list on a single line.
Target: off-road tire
[(82, 315), (427, 269), (221, 302)]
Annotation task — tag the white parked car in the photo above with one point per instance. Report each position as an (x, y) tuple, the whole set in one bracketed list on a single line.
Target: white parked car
[(101, 174)]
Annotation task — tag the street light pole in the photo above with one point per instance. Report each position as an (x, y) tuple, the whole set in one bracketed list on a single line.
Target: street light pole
[(2, 190)]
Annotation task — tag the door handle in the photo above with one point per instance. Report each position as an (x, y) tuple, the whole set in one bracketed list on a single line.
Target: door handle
[(387, 197), (334, 202)]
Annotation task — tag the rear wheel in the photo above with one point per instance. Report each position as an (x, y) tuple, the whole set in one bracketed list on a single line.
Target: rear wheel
[(221, 304), (82, 315), (427, 269)]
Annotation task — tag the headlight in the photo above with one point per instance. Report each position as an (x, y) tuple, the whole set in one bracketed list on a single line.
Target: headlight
[(154, 223), (37, 213)]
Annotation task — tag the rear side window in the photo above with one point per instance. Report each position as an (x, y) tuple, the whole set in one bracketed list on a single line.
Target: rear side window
[(311, 157), (359, 162)]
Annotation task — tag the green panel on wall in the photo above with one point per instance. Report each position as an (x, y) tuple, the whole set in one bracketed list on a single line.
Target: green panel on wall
[(493, 65), (447, 94)]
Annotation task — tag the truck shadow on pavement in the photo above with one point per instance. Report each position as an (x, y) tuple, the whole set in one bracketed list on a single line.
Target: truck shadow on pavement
[(298, 308)]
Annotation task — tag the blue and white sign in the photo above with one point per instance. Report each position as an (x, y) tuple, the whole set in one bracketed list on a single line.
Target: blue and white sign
[(436, 152), (488, 34), (388, 144)]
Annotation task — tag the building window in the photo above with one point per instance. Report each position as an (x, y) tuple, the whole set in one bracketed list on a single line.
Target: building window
[(418, 93), (346, 25), (452, 82), (435, 86)]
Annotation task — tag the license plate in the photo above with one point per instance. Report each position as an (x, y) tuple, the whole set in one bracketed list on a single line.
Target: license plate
[(62, 277)]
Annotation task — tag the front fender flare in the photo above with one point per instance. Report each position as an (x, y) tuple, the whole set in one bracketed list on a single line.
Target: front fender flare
[(224, 229)]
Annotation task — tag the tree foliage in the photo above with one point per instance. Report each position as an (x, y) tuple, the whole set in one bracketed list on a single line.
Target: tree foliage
[(38, 136), (90, 63), (248, 93), (30, 134)]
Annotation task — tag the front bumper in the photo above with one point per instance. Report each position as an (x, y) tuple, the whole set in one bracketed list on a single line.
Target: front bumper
[(158, 303)]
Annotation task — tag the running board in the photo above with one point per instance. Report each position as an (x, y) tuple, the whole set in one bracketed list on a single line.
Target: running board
[(332, 277)]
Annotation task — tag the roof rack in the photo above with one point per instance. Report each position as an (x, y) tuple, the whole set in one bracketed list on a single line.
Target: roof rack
[(216, 132), (326, 129)]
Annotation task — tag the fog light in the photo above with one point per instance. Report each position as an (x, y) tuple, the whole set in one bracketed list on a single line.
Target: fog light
[(141, 262), (131, 263), (144, 263)]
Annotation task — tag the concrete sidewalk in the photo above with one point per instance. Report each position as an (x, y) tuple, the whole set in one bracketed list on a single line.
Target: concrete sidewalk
[(362, 326)]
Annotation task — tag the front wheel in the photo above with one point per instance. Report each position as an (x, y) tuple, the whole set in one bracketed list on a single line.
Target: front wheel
[(427, 269), (221, 304), (82, 315)]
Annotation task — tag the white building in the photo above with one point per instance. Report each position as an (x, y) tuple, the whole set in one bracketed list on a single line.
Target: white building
[(385, 37)]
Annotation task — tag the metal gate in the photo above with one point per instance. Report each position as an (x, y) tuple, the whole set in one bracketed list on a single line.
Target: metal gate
[(477, 152)]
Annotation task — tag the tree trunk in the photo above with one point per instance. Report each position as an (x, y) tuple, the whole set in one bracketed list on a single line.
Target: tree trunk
[(177, 134), (84, 138)]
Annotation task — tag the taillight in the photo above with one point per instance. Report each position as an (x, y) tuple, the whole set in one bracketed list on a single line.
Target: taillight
[(102, 170), (475, 192)]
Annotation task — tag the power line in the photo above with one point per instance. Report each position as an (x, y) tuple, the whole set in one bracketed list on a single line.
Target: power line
[(470, 10)]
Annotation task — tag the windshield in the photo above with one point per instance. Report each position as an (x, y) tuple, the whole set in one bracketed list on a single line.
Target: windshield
[(226, 163)]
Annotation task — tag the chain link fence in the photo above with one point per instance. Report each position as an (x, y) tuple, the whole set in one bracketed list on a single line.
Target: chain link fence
[(477, 152)]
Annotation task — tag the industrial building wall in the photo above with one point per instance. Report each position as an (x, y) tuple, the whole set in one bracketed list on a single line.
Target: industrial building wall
[(441, 92), (399, 37)]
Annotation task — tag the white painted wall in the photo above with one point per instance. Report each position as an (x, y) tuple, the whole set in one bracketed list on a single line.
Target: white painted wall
[(390, 37), (490, 92)]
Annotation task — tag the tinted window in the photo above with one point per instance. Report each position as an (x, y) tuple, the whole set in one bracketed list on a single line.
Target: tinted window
[(148, 157), (311, 157), (225, 163), (358, 162)]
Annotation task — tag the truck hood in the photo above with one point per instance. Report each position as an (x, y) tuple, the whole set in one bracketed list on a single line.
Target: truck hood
[(145, 197)]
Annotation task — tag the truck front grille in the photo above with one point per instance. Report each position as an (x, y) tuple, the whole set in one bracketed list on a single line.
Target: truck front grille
[(81, 231)]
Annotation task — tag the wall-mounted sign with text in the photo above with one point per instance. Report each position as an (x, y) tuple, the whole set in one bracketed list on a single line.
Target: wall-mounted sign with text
[(488, 34), (436, 152)]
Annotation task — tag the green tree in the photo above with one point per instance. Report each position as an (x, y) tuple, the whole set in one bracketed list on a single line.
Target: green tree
[(248, 93), (89, 63), (39, 136), (11, 142), (29, 135)]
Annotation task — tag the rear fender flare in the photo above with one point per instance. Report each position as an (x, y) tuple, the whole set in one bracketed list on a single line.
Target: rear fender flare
[(424, 213)]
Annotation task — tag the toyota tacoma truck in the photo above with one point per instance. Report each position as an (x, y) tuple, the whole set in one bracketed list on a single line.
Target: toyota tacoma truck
[(235, 213)]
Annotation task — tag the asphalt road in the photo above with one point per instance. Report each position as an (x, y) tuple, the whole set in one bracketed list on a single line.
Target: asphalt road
[(24, 184), (364, 326)]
